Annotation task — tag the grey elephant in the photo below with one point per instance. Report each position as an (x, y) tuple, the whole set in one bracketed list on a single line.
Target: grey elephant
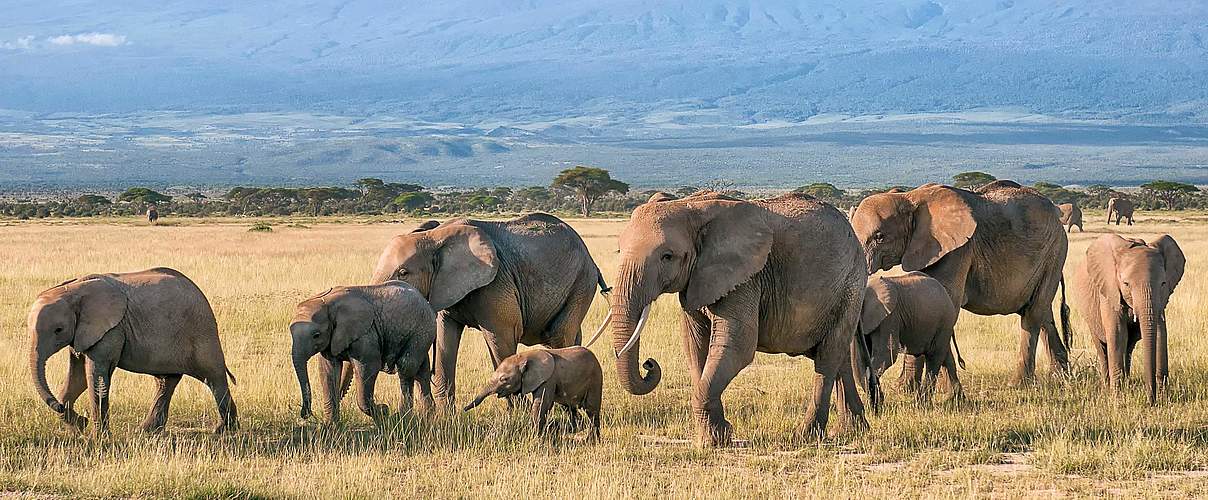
[(569, 376), (1120, 208), (529, 280), (155, 322), (1071, 215), (910, 313), (387, 327), (997, 251), (783, 275), (1122, 290)]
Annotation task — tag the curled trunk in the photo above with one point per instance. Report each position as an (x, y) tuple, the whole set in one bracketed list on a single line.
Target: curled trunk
[(37, 369), (300, 360), (626, 318)]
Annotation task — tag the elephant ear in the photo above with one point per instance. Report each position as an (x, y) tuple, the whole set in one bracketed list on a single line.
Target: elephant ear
[(1173, 256), (465, 261), (101, 307), (943, 221), (538, 368), (879, 303), (1101, 268), (733, 244), (350, 317)]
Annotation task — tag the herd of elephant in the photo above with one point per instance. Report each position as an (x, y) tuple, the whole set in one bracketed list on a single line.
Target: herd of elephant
[(788, 275)]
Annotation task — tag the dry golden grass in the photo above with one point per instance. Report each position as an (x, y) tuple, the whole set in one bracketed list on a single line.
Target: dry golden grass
[(1059, 437)]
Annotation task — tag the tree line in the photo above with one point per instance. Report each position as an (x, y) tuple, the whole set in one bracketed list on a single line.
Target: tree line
[(582, 189)]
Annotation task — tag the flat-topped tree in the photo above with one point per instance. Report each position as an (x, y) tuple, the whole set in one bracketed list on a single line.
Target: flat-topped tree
[(822, 190), (972, 180), (1170, 192), (588, 184), (143, 195)]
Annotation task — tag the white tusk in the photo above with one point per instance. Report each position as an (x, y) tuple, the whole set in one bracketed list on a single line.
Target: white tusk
[(600, 330), (637, 331)]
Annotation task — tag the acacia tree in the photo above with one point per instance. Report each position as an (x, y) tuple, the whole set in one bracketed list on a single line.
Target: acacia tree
[(316, 196), (588, 184), (143, 195), (822, 191), (1170, 192), (972, 180)]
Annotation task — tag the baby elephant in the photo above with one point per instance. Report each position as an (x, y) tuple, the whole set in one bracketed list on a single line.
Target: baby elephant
[(387, 327), (911, 313), (155, 322), (1122, 289), (570, 376)]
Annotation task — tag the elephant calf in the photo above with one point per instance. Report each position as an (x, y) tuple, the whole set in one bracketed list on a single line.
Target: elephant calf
[(1122, 289), (155, 322), (387, 327), (570, 377), (911, 313)]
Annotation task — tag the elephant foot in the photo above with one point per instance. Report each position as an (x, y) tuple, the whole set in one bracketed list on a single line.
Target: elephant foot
[(152, 427), (715, 434), (1022, 380), (75, 420), (851, 424), (226, 427)]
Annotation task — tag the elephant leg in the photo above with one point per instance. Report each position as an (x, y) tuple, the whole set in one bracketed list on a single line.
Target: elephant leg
[(1101, 351), (165, 386), (407, 391), (367, 373), (955, 391), (1117, 339), (851, 408), (347, 372), (543, 400), (933, 361), (100, 378), (731, 348), (912, 373), (1131, 346), (572, 414), (448, 339), (329, 383), (228, 414), (1040, 319), (422, 387), (695, 328), (73, 387)]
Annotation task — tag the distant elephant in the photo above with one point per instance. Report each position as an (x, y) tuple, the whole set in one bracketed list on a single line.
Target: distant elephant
[(910, 313), (155, 322), (387, 327), (997, 251), (1120, 208), (1071, 216), (783, 275), (1122, 289), (152, 215), (529, 280), (570, 377)]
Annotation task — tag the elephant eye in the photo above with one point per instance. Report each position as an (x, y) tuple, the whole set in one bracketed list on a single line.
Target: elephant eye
[(59, 330), (667, 257), (878, 236)]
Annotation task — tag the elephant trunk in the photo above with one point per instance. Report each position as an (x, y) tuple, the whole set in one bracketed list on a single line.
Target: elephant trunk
[(300, 359), (482, 396), (629, 314), (38, 354), (1148, 317)]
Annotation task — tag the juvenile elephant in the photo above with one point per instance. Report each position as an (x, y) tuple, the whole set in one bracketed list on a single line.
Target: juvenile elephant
[(529, 280), (910, 313), (783, 275), (569, 376), (1120, 208), (997, 251), (1071, 216), (387, 327), (1122, 289), (155, 322)]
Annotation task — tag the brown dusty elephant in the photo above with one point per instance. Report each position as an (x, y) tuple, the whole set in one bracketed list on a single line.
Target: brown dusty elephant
[(997, 251), (1071, 215), (1122, 290), (569, 376), (1120, 208), (783, 275), (913, 314), (529, 280), (378, 328), (155, 322)]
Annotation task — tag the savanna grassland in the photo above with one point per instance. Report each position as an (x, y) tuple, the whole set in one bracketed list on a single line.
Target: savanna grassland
[(1058, 437)]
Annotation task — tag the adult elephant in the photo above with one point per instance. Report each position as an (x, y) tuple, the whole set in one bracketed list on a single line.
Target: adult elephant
[(783, 275), (1120, 208), (999, 250), (1071, 216), (529, 280)]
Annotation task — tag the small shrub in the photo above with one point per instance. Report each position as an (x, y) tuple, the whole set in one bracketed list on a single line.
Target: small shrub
[(260, 227)]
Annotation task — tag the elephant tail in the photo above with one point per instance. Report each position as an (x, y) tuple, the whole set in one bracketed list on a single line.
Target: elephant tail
[(959, 360), (1066, 336), (232, 375), (604, 288)]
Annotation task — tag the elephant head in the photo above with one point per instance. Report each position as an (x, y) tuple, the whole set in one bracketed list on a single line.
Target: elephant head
[(445, 263), (327, 323), (915, 228), (700, 247), (76, 313), (877, 343), (1129, 272), (519, 374)]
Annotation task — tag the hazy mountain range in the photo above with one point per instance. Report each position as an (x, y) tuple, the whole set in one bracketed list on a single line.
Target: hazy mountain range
[(483, 92)]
